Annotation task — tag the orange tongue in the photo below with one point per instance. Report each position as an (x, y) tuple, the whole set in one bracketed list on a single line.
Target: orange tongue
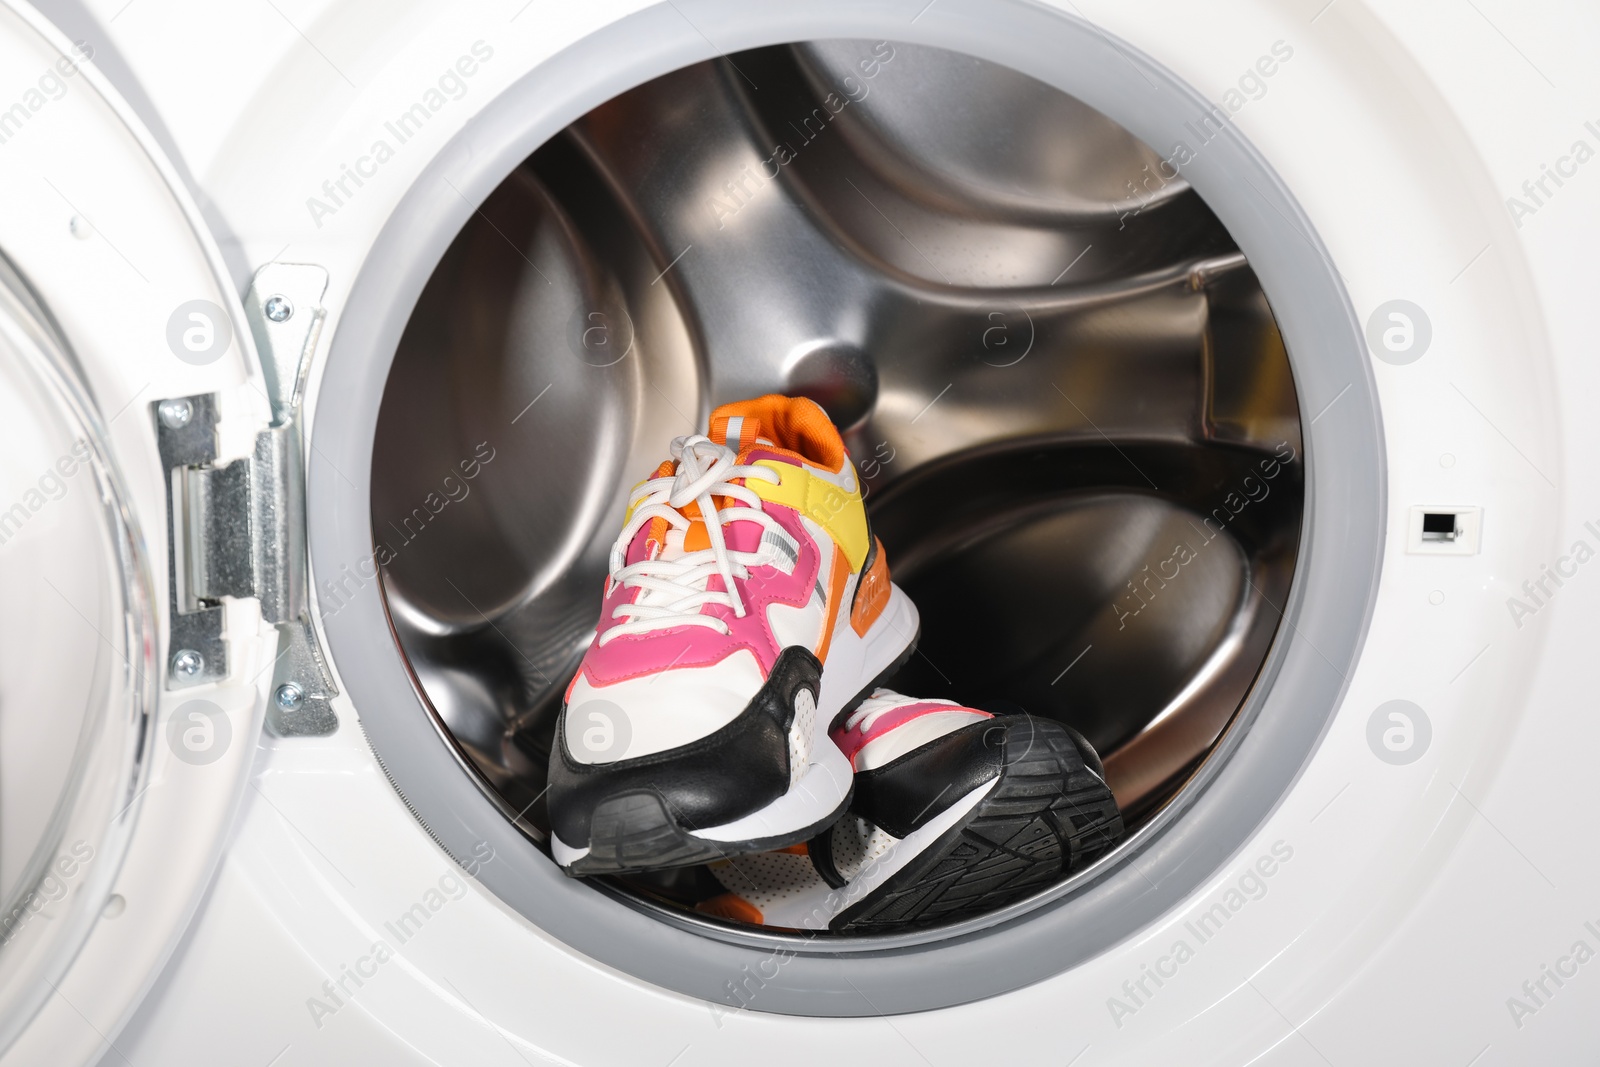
[(787, 426), (794, 425), (738, 432)]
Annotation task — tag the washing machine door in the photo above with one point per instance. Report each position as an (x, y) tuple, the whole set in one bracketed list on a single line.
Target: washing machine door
[(134, 657)]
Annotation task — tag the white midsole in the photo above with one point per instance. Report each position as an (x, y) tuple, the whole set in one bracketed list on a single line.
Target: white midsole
[(564, 853), (853, 662)]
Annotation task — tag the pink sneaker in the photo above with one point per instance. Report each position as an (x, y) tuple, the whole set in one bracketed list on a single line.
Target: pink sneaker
[(747, 608)]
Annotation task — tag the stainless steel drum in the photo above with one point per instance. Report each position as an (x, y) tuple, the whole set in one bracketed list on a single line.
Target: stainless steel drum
[(1059, 378)]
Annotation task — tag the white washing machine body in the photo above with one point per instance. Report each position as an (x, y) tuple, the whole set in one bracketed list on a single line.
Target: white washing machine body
[(1410, 894)]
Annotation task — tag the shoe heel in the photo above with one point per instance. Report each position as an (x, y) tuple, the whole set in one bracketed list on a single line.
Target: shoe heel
[(858, 663)]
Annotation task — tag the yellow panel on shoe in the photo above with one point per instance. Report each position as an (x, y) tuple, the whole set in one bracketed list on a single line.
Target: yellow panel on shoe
[(830, 507)]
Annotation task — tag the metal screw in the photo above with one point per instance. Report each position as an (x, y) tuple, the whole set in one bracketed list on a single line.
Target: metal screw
[(175, 414), (279, 308), (188, 662), (289, 696)]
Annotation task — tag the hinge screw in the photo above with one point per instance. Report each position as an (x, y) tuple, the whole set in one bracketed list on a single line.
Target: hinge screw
[(188, 662), (175, 414), (278, 308), (289, 696)]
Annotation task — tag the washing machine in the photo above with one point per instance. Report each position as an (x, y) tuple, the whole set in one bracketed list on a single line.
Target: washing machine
[(1217, 377)]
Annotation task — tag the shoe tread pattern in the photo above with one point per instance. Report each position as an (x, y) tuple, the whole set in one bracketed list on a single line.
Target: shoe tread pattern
[(1048, 816)]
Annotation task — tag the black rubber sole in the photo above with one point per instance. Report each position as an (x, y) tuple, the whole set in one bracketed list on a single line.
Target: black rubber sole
[(634, 832), (1049, 815)]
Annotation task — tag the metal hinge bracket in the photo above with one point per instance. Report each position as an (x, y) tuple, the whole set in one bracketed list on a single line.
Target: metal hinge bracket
[(237, 529)]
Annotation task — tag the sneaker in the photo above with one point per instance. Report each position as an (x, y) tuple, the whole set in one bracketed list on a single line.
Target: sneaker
[(957, 812), (747, 608)]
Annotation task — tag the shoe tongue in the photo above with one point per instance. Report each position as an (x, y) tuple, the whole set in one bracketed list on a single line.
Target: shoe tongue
[(750, 440), (742, 433), (739, 536), (791, 429), (672, 548), (661, 540)]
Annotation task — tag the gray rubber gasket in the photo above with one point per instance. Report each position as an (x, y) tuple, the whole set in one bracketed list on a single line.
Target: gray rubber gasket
[(1253, 768)]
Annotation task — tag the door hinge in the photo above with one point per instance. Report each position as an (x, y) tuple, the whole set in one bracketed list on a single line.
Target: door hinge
[(237, 529)]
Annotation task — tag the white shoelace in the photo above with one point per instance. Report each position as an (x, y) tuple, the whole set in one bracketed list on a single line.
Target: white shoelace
[(875, 707), (676, 589)]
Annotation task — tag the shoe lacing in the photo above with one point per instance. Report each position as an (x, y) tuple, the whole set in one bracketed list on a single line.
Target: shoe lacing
[(871, 710), (879, 704), (676, 588)]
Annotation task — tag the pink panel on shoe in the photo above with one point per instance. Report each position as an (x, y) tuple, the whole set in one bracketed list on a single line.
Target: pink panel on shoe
[(633, 655), (637, 547), (744, 536), (852, 741)]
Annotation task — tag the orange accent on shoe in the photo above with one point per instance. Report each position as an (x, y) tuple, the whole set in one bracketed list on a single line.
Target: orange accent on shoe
[(657, 530), (872, 594), (841, 571), (802, 849), (695, 535), (657, 535), (728, 906), (794, 424), (748, 429)]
